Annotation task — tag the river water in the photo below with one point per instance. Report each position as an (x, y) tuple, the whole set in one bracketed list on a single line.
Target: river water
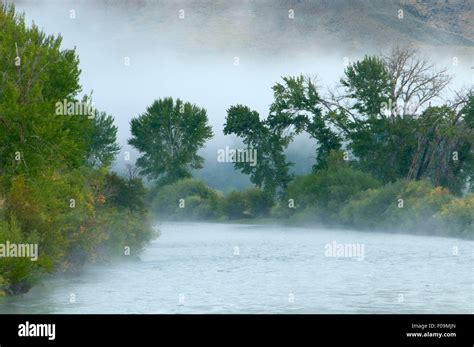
[(228, 268)]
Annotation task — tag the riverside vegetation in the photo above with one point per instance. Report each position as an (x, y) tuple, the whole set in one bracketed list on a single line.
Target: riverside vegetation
[(387, 158), (55, 187)]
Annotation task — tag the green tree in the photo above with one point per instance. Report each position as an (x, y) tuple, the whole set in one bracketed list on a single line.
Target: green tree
[(36, 74), (271, 170), (168, 136), (50, 194), (444, 152), (368, 83), (388, 123), (297, 107), (103, 146), (382, 113), (376, 131)]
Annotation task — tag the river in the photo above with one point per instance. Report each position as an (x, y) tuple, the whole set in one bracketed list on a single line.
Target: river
[(233, 268)]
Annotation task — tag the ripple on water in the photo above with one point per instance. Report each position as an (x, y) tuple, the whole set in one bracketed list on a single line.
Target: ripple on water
[(193, 268)]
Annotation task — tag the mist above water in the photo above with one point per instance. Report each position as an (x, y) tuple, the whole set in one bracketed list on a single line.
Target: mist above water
[(224, 268)]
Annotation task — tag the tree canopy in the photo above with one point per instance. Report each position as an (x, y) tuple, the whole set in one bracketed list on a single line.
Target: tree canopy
[(168, 135), (55, 190), (381, 113)]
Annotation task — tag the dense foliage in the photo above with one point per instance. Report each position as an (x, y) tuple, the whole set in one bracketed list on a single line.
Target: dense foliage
[(320, 195), (387, 156), (168, 135), (194, 200), (55, 189), (391, 151)]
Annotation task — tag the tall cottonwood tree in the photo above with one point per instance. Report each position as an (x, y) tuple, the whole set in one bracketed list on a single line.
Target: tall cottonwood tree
[(271, 170), (298, 107), (382, 113), (35, 73), (406, 137), (168, 135)]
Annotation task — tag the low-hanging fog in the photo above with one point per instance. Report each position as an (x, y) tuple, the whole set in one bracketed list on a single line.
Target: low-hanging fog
[(228, 52)]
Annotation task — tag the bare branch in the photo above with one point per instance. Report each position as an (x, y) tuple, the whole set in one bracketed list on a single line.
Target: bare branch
[(415, 79)]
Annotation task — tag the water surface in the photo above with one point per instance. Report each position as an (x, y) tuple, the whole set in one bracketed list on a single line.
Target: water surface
[(227, 268)]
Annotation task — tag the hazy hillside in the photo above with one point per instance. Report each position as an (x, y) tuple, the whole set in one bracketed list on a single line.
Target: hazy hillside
[(454, 16), (264, 25)]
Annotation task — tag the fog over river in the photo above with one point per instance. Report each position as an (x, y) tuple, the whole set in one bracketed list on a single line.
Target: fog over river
[(228, 268)]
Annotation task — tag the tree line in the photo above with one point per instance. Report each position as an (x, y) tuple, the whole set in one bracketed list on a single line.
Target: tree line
[(56, 189), (381, 117), (386, 131)]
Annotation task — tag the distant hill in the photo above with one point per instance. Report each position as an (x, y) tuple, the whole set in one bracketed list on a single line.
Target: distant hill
[(452, 16), (264, 25)]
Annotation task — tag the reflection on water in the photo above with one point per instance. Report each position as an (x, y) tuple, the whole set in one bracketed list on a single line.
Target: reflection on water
[(224, 268)]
